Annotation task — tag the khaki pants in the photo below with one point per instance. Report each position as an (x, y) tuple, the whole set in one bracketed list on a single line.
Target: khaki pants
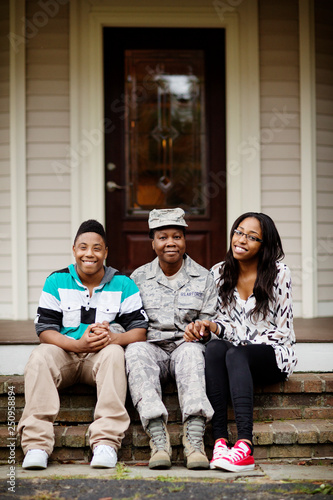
[(51, 368)]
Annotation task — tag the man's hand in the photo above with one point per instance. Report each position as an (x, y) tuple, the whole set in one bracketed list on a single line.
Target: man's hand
[(95, 337), (98, 328)]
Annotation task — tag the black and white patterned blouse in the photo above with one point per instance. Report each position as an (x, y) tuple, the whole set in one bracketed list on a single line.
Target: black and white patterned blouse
[(276, 329)]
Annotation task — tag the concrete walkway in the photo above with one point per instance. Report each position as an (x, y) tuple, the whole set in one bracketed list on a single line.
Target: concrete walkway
[(79, 482), (262, 472)]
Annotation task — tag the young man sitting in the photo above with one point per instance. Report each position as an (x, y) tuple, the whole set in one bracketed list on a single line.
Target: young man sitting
[(77, 309)]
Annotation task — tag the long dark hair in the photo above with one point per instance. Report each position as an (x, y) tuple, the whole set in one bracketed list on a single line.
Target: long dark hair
[(270, 252)]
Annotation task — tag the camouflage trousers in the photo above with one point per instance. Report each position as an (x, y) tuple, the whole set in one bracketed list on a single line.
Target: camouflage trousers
[(150, 363)]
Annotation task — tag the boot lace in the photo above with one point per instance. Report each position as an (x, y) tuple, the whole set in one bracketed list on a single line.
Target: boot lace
[(157, 433), (195, 430)]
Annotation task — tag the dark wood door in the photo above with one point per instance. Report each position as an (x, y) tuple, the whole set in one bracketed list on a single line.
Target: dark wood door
[(164, 139)]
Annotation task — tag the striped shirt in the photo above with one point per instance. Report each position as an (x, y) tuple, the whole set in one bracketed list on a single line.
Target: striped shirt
[(66, 306)]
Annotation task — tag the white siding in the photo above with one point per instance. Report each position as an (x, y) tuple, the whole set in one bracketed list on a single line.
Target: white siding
[(5, 214), (324, 106), (48, 189), (48, 138), (280, 121)]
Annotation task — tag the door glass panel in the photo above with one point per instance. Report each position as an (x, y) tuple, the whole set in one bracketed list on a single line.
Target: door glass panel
[(165, 134)]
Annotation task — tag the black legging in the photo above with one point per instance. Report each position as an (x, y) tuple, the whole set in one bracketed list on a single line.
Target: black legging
[(233, 370)]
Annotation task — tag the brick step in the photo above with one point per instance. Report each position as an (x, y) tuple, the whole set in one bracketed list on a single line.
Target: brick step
[(293, 420), (304, 396), (292, 439)]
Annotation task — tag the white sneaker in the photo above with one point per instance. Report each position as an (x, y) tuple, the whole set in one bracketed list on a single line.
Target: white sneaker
[(35, 459), (104, 457)]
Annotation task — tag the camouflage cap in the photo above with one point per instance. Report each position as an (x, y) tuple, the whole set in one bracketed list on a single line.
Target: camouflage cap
[(166, 217)]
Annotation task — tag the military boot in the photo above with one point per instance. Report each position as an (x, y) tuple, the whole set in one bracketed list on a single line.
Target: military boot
[(160, 457), (194, 451)]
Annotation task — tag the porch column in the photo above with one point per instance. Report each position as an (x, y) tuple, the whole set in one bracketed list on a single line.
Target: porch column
[(308, 158), (17, 106)]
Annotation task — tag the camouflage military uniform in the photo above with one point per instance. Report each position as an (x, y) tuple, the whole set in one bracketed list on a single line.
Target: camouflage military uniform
[(170, 309)]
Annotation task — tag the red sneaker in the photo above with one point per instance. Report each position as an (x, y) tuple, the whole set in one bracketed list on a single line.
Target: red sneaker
[(238, 459), (220, 450)]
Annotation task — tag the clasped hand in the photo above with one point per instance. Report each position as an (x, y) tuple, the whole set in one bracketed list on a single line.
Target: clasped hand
[(198, 330), (96, 336)]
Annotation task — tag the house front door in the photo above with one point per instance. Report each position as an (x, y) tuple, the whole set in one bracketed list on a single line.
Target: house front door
[(164, 139)]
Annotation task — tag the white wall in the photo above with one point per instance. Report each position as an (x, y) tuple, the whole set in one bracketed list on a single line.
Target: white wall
[(280, 133), (5, 212), (324, 106), (48, 186), (51, 196)]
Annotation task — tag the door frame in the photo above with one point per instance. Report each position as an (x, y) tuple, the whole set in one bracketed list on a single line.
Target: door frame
[(207, 226), (87, 20)]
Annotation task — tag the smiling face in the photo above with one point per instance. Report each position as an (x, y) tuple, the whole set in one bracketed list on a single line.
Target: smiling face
[(169, 245), (90, 253), (242, 248)]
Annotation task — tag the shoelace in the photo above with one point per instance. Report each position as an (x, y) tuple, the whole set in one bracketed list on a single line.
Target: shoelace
[(237, 453), (219, 451), (102, 450), (157, 433), (35, 452), (195, 431)]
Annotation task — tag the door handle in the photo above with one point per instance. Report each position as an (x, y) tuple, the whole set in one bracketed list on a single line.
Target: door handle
[(112, 186)]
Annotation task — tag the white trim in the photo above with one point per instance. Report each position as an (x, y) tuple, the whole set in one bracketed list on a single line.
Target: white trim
[(250, 109), (17, 119), (74, 79), (312, 357), (308, 158), (233, 123), (242, 88)]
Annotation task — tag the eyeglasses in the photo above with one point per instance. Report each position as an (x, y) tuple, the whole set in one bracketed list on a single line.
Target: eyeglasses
[(247, 236)]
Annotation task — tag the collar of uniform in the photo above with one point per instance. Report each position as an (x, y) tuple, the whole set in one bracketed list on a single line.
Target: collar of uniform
[(190, 268)]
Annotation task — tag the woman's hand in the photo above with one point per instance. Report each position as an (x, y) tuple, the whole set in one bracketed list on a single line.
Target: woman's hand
[(198, 330)]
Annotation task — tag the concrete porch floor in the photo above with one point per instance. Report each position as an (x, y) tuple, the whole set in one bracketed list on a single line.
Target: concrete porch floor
[(314, 346), (307, 330)]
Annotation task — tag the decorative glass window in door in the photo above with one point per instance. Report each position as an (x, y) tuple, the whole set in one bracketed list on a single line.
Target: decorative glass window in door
[(165, 136)]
